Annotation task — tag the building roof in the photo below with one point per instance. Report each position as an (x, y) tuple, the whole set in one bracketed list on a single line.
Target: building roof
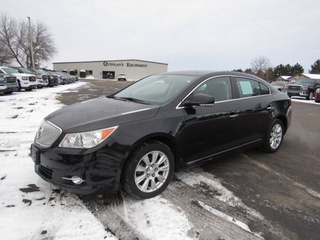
[(120, 60), (302, 75), (285, 77), (312, 76)]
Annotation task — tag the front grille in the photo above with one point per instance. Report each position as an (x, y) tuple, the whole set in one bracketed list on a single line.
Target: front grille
[(46, 172), (293, 87), (11, 79), (47, 134), (32, 79)]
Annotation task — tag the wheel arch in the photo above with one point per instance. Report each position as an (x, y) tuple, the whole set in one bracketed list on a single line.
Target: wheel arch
[(157, 137), (284, 122), (164, 141)]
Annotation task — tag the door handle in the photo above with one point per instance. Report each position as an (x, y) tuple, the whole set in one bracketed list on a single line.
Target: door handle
[(269, 108)]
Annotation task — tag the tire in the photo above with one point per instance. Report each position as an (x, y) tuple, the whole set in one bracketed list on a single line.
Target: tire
[(274, 137), (310, 95), (148, 171), (19, 86)]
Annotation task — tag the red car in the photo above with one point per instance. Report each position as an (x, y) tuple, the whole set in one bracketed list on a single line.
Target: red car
[(317, 95)]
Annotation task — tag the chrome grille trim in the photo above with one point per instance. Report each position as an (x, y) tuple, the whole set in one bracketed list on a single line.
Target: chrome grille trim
[(47, 134), (32, 79), (11, 79)]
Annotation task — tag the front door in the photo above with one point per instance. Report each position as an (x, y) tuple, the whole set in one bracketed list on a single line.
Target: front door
[(210, 130)]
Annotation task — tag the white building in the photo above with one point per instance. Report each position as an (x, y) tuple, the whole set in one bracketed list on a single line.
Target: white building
[(109, 69), (304, 76)]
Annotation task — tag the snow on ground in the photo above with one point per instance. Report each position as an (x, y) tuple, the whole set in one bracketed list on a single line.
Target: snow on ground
[(31, 208)]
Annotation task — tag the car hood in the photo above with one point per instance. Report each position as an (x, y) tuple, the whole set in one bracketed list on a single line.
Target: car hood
[(100, 113)]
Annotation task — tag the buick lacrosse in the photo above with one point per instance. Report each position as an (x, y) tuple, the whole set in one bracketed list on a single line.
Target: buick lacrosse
[(137, 138)]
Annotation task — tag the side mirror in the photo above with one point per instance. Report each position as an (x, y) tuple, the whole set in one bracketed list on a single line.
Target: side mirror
[(199, 99)]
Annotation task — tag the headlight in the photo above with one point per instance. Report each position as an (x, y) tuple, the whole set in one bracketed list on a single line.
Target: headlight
[(318, 90), (86, 139), (305, 88), (24, 78)]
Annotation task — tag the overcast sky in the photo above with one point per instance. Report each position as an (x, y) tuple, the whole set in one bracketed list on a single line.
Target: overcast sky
[(186, 34)]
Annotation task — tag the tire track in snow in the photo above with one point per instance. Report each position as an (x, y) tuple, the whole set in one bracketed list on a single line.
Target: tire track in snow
[(212, 211)]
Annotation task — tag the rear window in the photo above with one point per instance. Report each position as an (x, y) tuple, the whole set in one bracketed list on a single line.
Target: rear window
[(251, 88)]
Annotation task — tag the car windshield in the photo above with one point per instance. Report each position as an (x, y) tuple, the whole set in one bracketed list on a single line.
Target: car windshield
[(306, 81), (10, 70), (24, 70), (155, 89)]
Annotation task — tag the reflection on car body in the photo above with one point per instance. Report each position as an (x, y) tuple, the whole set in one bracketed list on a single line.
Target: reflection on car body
[(135, 139)]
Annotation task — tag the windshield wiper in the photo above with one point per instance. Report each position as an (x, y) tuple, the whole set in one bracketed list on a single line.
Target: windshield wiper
[(130, 99)]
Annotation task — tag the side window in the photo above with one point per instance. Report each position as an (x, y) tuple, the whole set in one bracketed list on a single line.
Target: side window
[(249, 88), (264, 89), (219, 88)]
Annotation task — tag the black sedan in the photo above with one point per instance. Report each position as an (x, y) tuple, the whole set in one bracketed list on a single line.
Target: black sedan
[(137, 138)]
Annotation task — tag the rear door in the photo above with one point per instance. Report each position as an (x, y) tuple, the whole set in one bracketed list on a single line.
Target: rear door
[(255, 102)]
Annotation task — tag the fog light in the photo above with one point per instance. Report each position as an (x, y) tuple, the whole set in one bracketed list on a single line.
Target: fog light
[(75, 179)]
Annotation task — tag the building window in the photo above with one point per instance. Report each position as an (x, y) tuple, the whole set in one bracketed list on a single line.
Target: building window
[(108, 75), (73, 72)]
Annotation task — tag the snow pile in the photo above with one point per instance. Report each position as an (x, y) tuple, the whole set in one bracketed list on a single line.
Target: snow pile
[(31, 208)]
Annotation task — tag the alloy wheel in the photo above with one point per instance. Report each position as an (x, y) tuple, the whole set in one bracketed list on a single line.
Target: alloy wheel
[(152, 171), (275, 136)]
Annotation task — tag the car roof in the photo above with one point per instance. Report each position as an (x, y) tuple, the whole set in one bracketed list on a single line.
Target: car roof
[(208, 73)]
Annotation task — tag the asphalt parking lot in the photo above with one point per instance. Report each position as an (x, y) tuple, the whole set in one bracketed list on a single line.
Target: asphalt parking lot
[(282, 190)]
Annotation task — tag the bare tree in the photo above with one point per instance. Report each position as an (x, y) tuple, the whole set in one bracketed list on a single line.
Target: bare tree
[(261, 67), (15, 42), (260, 64), (8, 39), (5, 57)]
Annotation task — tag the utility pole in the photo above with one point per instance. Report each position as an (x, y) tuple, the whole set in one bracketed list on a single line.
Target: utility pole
[(31, 45)]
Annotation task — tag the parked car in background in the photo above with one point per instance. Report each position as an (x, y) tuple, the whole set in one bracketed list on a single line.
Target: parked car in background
[(303, 88), (64, 78), (280, 85), (135, 139), (25, 80), (8, 83), (53, 79), (122, 77), (317, 94), (39, 79)]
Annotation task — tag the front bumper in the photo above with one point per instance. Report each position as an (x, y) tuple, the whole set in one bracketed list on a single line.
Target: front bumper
[(298, 93), (98, 170), (8, 88)]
